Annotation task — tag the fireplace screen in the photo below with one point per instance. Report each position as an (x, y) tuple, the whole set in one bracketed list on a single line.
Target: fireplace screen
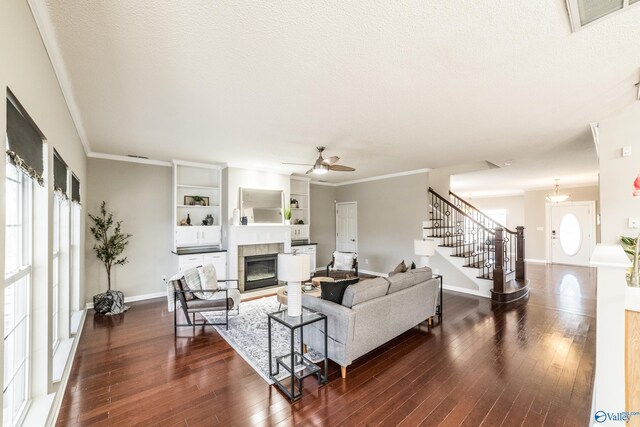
[(260, 271)]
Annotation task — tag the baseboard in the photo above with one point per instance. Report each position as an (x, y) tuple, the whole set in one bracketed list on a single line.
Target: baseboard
[(62, 386), (137, 298), (535, 261), (465, 290)]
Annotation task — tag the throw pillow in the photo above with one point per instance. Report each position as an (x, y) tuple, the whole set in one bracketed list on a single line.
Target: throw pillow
[(334, 291), (208, 280), (400, 268), (343, 260), (191, 282), (413, 265)]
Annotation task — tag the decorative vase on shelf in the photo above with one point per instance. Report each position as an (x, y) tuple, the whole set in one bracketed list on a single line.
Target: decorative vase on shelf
[(188, 220), (209, 219)]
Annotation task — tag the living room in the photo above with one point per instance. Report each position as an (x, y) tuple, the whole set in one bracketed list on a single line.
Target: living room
[(491, 102)]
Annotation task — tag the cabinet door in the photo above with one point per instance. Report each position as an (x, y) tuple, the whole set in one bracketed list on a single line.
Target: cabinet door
[(209, 235), (303, 232), (219, 261), (186, 262), (187, 236)]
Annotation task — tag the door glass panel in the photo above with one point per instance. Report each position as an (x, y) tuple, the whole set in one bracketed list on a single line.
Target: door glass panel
[(570, 234)]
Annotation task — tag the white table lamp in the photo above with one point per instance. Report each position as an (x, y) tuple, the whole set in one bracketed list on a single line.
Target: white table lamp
[(424, 248), (293, 269)]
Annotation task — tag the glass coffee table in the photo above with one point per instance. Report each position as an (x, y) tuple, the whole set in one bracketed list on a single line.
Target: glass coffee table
[(295, 362)]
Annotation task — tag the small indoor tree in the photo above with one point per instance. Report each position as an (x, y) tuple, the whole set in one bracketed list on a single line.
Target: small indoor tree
[(110, 244)]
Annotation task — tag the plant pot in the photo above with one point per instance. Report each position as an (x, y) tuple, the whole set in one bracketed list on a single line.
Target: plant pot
[(287, 222), (110, 302)]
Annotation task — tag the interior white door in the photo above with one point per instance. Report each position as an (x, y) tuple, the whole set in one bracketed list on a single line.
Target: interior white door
[(572, 233), (347, 227)]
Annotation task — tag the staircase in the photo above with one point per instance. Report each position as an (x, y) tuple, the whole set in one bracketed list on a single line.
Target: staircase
[(492, 255)]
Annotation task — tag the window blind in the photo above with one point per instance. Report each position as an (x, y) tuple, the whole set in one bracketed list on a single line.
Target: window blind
[(75, 188), (59, 173), (24, 141)]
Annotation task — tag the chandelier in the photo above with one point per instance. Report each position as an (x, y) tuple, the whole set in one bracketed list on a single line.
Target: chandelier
[(556, 196)]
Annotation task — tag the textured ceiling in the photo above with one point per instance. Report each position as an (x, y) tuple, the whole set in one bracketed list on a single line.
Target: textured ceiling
[(388, 86)]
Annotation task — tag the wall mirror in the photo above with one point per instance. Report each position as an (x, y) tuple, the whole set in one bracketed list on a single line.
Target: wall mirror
[(262, 206)]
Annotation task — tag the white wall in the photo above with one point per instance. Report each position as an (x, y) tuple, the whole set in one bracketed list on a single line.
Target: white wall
[(323, 222), (617, 173), (140, 196), (514, 206)]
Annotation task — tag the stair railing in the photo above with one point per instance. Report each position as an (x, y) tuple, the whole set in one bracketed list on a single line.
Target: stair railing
[(486, 244)]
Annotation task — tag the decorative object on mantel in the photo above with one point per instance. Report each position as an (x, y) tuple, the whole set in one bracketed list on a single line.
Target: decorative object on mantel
[(244, 220), (424, 248), (632, 247), (556, 196), (293, 269), (294, 203), (109, 247), (208, 220), (287, 215), (236, 216)]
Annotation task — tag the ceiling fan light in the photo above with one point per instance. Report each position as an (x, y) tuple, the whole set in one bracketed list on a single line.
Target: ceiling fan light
[(320, 169)]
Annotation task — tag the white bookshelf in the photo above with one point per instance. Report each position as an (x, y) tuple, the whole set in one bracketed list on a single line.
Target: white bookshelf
[(299, 188)]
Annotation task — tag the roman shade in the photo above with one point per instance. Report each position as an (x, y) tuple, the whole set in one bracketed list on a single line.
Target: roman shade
[(24, 142), (75, 188), (59, 174)]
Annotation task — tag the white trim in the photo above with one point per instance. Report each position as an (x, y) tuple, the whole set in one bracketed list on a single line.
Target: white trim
[(373, 178), (464, 290), (62, 386), (535, 261), (259, 169), (47, 34), (199, 165), (134, 298), (119, 158)]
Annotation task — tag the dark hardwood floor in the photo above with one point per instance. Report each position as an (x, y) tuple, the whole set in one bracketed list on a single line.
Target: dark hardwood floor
[(527, 363)]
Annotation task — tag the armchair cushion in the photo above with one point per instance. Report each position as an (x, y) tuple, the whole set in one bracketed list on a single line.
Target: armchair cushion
[(208, 277), (343, 260)]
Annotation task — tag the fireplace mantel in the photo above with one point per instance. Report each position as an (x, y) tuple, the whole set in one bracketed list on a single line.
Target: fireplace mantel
[(254, 234)]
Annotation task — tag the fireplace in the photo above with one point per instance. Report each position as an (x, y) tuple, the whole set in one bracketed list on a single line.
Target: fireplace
[(260, 271)]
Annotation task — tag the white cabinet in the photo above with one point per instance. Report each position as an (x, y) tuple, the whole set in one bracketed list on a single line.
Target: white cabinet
[(197, 236), (299, 232), (218, 259), (309, 250)]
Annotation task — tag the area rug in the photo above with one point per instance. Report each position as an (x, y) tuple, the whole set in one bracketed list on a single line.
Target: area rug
[(248, 335)]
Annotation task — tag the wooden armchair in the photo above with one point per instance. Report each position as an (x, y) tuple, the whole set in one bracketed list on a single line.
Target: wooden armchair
[(191, 304), (342, 265)]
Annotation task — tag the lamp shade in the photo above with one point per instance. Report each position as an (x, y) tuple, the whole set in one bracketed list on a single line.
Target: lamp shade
[(424, 247), (293, 268)]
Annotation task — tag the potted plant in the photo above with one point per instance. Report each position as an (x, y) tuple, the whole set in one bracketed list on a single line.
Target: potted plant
[(632, 247), (287, 215), (110, 244), (197, 200)]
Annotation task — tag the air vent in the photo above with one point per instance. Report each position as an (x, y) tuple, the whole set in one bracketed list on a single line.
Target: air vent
[(586, 12), (137, 157)]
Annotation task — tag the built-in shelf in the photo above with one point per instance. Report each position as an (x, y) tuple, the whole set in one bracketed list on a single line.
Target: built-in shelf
[(298, 209), (197, 206), (197, 187)]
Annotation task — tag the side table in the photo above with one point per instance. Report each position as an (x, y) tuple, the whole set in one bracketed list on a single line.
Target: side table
[(295, 362)]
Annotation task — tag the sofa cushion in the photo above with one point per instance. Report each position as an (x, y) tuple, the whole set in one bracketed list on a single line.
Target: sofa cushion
[(365, 290), (401, 281), (421, 274), (334, 291)]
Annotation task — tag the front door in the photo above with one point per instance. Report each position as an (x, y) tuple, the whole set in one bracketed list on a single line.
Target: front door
[(347, 227), (572, 233)]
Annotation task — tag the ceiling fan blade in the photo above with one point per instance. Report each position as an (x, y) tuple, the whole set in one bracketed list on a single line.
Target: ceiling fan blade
[(341, 168), (331, 160), (309, 171), (297, 164)]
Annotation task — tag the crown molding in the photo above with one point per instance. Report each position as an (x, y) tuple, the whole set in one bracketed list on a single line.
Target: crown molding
[(381, 177), (42, 19), (118, 158)]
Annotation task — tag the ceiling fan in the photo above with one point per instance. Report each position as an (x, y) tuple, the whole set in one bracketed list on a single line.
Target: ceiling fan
[(322, 165)]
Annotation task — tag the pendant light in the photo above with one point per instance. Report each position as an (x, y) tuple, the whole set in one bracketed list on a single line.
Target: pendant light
[(556, 196)]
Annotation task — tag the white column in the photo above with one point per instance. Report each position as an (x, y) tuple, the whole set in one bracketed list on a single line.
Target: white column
[(609, 385)]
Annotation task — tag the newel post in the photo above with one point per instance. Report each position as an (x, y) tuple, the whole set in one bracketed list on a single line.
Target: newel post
[(499, 276), (521, 272)]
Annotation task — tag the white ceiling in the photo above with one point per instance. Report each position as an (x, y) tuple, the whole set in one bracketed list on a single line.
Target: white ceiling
[(388, 86)]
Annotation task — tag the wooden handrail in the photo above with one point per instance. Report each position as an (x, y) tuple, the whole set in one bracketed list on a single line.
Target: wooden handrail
[(473, 207)]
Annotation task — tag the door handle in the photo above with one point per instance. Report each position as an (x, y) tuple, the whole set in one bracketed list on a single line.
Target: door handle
[(353, 240)]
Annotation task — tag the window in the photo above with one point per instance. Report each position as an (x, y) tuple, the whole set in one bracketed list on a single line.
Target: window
[(18, 226), (55, 307), (586, 12), (498, 215)]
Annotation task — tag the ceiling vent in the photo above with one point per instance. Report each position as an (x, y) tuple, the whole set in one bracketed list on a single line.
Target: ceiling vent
[(585, 12)]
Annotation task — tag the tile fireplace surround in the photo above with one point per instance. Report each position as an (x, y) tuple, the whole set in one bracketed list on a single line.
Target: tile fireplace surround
[(246, 240)]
